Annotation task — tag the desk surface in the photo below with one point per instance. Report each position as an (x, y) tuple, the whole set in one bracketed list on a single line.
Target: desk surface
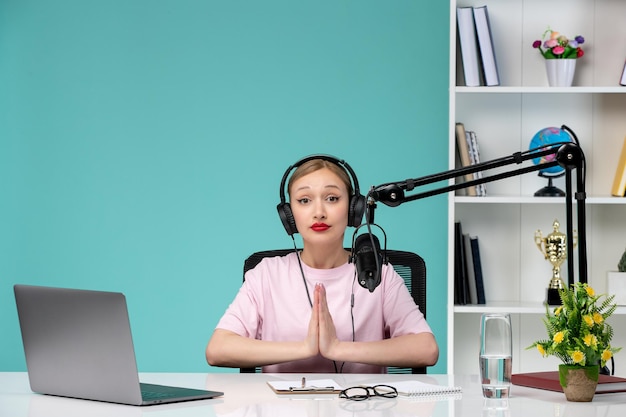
[(248, 395)]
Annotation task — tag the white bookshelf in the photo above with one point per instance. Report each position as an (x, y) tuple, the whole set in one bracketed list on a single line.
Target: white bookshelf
[(505, 119)]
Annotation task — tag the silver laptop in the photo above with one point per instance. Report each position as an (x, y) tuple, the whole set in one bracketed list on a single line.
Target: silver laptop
[(78, 344)]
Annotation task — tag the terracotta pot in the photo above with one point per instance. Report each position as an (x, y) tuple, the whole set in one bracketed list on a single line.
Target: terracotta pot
[(579, 382)]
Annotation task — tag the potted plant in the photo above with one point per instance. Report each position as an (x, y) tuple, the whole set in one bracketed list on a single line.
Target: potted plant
[(580, 337), (621, 265), (560, 55)]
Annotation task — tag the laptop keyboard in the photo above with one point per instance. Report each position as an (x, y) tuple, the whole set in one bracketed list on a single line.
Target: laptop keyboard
[(152, 392), (152, 395), (157, 392)]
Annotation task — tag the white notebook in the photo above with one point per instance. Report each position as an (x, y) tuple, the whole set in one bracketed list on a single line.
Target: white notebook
[(418, 388)]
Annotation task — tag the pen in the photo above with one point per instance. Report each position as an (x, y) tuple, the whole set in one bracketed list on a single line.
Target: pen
[(312, 389)]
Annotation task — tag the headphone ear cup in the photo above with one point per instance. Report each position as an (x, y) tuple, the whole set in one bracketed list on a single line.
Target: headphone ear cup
[(286, 217), (356, 210)]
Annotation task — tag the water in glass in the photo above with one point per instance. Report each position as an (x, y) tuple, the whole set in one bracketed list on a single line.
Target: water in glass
[(495, 359)]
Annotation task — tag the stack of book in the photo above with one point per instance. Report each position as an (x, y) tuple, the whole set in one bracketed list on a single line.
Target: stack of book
[(477, 51), (468, 154), (469, 285)]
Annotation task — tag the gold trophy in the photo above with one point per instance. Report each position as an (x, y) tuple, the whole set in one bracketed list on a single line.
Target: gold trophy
[(554, 248)]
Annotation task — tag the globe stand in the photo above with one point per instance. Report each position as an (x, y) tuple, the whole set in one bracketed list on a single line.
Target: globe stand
[(550, 190)]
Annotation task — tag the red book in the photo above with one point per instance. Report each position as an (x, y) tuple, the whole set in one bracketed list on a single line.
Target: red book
[(550, 381)]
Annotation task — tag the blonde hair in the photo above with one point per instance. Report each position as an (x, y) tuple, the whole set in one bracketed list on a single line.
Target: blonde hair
[(317, 164)]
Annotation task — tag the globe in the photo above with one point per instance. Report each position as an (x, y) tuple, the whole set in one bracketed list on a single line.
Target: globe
[(545, 138)]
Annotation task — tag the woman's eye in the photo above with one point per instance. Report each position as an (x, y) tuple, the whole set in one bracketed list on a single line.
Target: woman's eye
[(303, 200), (333, 199)]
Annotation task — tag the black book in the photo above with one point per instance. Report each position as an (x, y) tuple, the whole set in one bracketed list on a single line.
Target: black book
[(460, 280), (478, 271), (469, 269)]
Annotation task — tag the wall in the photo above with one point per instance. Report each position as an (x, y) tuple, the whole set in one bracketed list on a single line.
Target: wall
[(142, 143)]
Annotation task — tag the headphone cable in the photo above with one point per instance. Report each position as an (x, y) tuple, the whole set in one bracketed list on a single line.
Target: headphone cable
[(306, 287)]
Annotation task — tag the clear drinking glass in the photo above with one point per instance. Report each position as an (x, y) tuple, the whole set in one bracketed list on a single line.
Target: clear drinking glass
[(495, 354)]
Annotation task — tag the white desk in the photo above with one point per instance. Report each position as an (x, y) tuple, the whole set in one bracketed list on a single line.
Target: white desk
[(248, 395)]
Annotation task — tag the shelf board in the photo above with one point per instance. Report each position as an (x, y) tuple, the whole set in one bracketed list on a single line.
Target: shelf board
[(534, 200), (542, 90), (502, 307), (513, 307)]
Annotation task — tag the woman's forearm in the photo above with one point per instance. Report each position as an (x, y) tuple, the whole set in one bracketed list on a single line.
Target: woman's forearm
[(229, 349), (412, 351)]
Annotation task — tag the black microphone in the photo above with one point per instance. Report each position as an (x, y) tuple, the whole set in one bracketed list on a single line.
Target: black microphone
[(367, 265)]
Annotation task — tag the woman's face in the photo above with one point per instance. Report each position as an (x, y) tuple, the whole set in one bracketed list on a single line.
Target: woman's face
[(319, 203)]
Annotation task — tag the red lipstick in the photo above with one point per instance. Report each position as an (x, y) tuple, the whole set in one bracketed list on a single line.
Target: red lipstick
[(320, 227)]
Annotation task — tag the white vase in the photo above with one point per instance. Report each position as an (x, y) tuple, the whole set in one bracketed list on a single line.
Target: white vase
[(560, 72), (616, 285)]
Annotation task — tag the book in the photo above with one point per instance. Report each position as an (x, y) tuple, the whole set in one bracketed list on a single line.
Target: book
[(619, 182), (472, 143), (478, 271), (305, 386), (414, 388), (463, 151), (469, 268), (485, 43), (622, 80), (460, 292), (550, 381), (469, 46)]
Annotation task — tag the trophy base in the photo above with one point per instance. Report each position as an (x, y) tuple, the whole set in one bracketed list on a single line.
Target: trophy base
[(553, 298)]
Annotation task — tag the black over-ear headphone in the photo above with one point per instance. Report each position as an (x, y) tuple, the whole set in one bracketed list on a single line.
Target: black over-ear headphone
[(356, 207)]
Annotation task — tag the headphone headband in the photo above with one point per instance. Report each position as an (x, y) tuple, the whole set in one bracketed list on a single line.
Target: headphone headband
[(357, 201), (325, 157)]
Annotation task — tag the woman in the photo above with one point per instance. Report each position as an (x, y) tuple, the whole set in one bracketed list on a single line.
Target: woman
[(274, 321)]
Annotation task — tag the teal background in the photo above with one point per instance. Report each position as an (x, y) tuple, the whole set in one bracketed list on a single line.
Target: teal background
[(142, 144)]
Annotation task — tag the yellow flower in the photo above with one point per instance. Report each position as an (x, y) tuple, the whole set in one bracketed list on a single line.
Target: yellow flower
[(577, 329), (590, 340), (597, 318), (558, 337), (542, 351), (577, 356)]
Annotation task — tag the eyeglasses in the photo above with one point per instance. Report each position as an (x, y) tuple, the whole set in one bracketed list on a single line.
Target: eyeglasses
[(364, 393)]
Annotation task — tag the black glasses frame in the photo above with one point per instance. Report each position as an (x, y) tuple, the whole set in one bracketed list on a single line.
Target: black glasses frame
[(362, 393)]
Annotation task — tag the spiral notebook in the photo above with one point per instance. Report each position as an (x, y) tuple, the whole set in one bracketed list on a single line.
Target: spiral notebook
[(416, 388)]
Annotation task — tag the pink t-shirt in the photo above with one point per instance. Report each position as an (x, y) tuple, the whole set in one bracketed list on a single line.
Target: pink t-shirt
[(272, 304)]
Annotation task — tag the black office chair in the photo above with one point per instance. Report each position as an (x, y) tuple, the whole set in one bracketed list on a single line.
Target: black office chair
[(410, 266)]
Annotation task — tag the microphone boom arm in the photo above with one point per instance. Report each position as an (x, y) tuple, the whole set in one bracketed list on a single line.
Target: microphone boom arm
[(568, 155)]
